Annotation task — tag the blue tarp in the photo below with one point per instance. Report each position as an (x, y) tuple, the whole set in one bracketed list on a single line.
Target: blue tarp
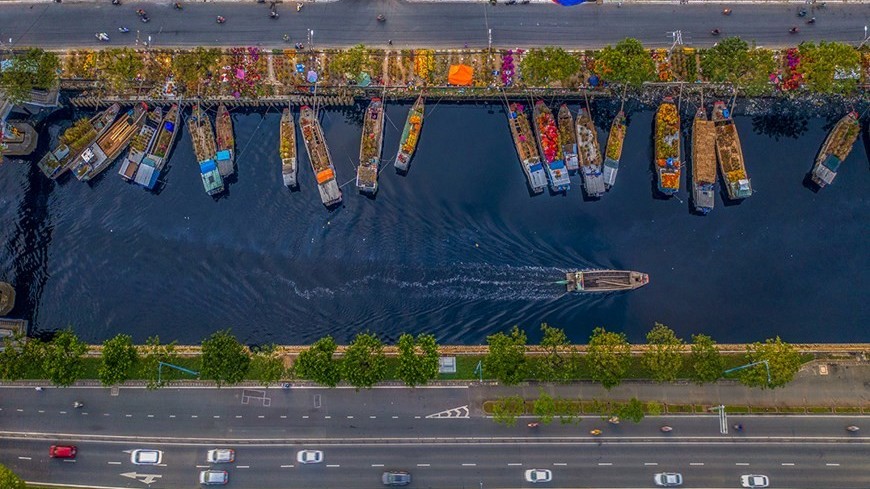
[(207, 166), (169, 125), (568, 3), (593, 80), (558, 164), (223, 155), (831, 163), (536, 167)]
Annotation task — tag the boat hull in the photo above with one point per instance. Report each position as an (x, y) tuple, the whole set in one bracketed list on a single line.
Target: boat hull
[(410, 136), (836, 148), (604, 280)]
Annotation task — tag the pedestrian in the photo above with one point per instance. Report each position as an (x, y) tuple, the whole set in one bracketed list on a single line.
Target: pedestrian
[(390, 42)]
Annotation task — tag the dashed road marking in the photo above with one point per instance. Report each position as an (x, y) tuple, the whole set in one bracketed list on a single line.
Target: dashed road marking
[(63, 412), (697, 463), (202, 466), (150, 415), (350, 417), (395, 417), (171, 416), (422, 465), (114, 463), (333, 465), (304, 417), (741, 463), (650, 463), (377, 465), (788, 464), (216, 417), (559, 464), (514, 464), (605, 463), (373, 417), (20, 410), (24, 458), (194, 416), (238, 416), (41, 411), (128, 415), (243, 466), (69, 461), (327, 417), (286, 466), (833, 465), (261, 416), (283, 417), (469, 465)]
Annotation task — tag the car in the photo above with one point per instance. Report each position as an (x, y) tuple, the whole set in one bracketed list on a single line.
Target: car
[(221, 456), (146, 457), (396, 478), (62, 451), (309, 456), (754, 481), (668, 479), (214, 477), (539, 475)]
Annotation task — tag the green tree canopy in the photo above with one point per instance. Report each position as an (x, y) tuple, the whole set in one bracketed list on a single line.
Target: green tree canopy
[(317, 363), (540, 67), (17, 354), (707, 362), (119, 357), (732, 60), (506, 360), (62, 358), (507, 409), (560, 362), (267, 366), (122, 65), (350, 62), (192, 67), (364, 363), (418, 359), (35, 68), (782, 358), (756, 81), (632, 410), (545, 407), (8, 479), (155, 352), (627, 62), (664, 354), (224, 359), (829, 67), (609, 356)]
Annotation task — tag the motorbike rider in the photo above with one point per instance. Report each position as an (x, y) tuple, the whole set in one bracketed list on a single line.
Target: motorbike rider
[(298, 7), (381, 18), (726, 11), (177, 6), (852, 428), (812, 21), (220, 19), (793, 30), (715, 32), (666, 428)]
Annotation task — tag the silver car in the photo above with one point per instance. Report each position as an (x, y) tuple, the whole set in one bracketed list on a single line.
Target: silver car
[(146, 457), (309, 456), (214, 477), (753, 481), (539, 475), (221, 456), (668, 479)]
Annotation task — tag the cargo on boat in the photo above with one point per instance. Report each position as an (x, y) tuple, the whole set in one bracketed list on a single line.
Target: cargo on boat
[(226, 141), (319, 157), (370, 147), (590, 155), (524, 140), (204, 147), (835, 149), (568, 138), (667, 148), (100, 155), (75, 140), (613, 153), (703, 162), (551, 148), (7, 299), (141, 144), (287, 148), (604, 280), (730, 154), (153, 162), (410, 136)]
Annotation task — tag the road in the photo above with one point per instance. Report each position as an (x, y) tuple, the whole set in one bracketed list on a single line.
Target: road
[(438, 434), (448, 24)]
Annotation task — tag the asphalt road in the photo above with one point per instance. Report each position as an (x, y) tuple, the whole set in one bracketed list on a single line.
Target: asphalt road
[(447, 24)]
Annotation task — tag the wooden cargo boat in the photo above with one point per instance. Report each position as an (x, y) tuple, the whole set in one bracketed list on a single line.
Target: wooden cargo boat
[(75, 140), (668, 166), (703, 162), (370, 147), (730, 154), (141, 144), (153, 163), (568, 138), (204, 147), (226, 141), (524, 141), (836, 149), (604, 280), (100, 155), (319, 157), (7, 299), (551, 149), (613, 152), (590, 155), (287, 148), (410, 136)]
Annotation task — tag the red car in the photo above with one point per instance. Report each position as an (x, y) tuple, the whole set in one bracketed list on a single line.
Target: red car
[(62, 451)]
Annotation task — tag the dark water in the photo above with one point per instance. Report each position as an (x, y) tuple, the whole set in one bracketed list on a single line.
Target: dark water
[(458, 247)]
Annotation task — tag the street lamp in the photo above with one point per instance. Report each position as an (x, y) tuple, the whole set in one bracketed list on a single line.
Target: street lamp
[(866, 38)]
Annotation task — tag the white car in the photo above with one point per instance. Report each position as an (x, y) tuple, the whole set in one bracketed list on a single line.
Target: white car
[(753, 481), (539, 475), (221, 456), (146, 457), (213, 477), (309, 456), (668, 479)]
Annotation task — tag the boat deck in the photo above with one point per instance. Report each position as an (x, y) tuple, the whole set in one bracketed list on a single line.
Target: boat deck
[(568, 137), (730, 154), (287, 148), (371, 145), (703, 151), (225, 141)]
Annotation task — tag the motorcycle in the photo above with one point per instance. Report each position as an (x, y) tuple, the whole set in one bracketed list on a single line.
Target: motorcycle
[(221, 20), (78, 405), (140, 12), (102, 36), (116, 2), (613, 420), (738, 427), (802, 13), (273, 14), (726, 11), (534, 424), (298, 7), (178, 6), (145, 19), (793, 30), (812, 21), (715, 32), (381, 18), (123, 30), (595, 432), (666, 429), (853, 428)]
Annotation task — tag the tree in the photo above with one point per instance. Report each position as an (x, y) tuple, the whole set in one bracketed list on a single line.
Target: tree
[(540, 67), (121, 66), (727, 61), (567, 410), (155, 352), (193, 67), (632, 410), (418, 359), (267, 366), (627, 62), (35, 68), (829, 67), (558, 364), (756, 81), (317, 363), (8, 479), (506, 359), (119, 357), (782, 358), (507, 409), (224, 359), (609, 355), (707, 362), (62, 358), (350, 62), (364, 363), (664, 354), (545, 407), (18, 352)]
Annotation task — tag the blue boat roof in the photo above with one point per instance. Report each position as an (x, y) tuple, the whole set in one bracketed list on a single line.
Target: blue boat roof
[(536, 167), (558, 164), (222, 155), (207, 166)]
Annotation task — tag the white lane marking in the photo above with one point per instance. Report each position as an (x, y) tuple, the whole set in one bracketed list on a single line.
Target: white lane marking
[(128, 415), (63, 412), (833, 465), (243, 466), (696, 463), (106, 414), (422, 465), (84, 414), (350, 417), (24, 458), (333, 465), (20, 410), (202, 466), (304, 417), (41, 410), (514, 464), (605, 463), (286, 466), (282, 417), (261, 417), (238, 417), (377, 465), (469, 465), (788, 464), (69, 461), (373, 417), (559, 464), (150, 415), (171, 415), (216, 417), (327, 417), (650, 463), (741, 463), (417, 417), (194, 416), (114, 463), (395, 417)]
